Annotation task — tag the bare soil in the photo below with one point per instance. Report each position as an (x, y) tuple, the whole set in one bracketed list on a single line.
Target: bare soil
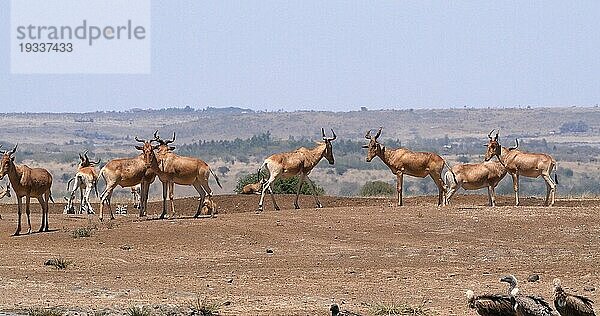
[(355, 251)]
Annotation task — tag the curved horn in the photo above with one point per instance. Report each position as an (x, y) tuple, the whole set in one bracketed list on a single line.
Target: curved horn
[(333, 133), (490, 134), (368, 135), (170, 141), (96, 162), (517, 144), (13, 150), (323, 133), (378, 132), (87, 159), (81, 157), (139, 140), (156, 135), (496, 137)]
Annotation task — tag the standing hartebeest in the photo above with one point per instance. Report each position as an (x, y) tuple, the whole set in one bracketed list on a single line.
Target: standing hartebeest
[(174, 169), (299, 162), (402, 162), (475, 176), (27, 182), (86, 179), (128, 172), (519, 163)]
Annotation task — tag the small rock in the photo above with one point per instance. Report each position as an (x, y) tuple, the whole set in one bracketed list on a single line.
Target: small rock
[(226, 303), (269, 250), (230, 280), (589, 289), (126, 247), (533, 278)]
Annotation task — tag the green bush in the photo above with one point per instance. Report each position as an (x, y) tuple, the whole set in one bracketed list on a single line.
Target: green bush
[(285, 186), (377, 188)]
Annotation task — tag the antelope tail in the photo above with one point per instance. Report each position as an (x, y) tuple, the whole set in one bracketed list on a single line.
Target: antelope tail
[(216, 178), (50, 196), (556, 174), (450, 169), (69, 183)]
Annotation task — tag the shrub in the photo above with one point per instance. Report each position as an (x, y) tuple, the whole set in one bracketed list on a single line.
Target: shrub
[(463, 159), (377, 188), (44, 312), (203, 308), (138, 311), (400, 309), (285, 186), (82, 232)]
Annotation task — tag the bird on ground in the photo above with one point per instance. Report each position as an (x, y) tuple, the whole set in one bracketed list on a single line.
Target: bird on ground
[(526, 305), (490, 304), (569, 304)]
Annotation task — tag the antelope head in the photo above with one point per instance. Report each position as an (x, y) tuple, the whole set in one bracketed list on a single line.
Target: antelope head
[(374, 147), (147, 150), (328, 154), (6, 160), (85, 160), (164, 142), (493, 147)]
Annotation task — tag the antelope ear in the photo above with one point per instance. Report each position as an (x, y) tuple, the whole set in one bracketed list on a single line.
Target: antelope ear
[(485, 145), (171, 147), (139, 147), (382, 147), (12, 159), (365, 146)]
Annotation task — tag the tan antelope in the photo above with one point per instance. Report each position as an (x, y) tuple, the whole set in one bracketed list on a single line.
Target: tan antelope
[(85, 179), (129, 172), (174, 169), (402, 162), (519, 163), (299, 162), (27, 182), (473, 177), (4, 192), (252, 188)]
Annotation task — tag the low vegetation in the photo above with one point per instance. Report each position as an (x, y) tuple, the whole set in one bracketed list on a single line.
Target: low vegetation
[(400, 309), (138, 311), (204, 308), (58, 263), (82, 232), (377, 188), (44, 312), (281, 186)]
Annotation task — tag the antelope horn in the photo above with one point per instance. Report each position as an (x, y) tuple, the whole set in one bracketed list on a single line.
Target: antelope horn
[(13, 150), (496, 137), (170, 141), (368, 135), (333, 133), (2, 151), (378, 132), (323, 132), (87, 159), (139, 140), (97, 162), (490, 134), (80, 157), (156, 135), (517, 144)]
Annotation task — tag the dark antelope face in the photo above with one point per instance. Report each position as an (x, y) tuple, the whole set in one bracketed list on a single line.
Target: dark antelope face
[(147, 150), (374, 148), (328, 154), (6, 160), (493, 147)]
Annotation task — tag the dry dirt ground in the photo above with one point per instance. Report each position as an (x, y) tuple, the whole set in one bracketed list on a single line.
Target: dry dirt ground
[(355, 251)]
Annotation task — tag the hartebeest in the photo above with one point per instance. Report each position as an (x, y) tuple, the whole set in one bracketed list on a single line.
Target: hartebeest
[(85, 179), (402, 162), (299, 162), (252, 188), (128, 172), (174, 169), (473, 177), (519, 163), (27, 182)]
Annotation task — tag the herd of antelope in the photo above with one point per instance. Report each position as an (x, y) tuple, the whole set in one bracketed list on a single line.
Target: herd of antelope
[(158, 159)]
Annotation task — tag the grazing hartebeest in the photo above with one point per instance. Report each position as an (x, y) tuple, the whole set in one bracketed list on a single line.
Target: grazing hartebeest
[(174, 169), (299, 162), (252, 188), (128, 172), (519, 163), (86, 179), (4, 191), (402, 161), (475, 176), (27, 182)]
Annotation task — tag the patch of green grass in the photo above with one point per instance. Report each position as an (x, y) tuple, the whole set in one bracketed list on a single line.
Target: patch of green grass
[(58, 263), (44, 312), (204, 308), (393, 309), (82, 232), (138, 311)]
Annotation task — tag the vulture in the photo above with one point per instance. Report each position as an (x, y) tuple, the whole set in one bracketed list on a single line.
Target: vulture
[(571, 305), (526, 305), (490, 304), (335, 311)]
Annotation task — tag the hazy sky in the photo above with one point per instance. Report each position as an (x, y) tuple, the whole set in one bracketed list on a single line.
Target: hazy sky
[(339, 55)]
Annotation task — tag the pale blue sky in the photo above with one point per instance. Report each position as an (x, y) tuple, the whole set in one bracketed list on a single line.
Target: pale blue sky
[(340, 55)]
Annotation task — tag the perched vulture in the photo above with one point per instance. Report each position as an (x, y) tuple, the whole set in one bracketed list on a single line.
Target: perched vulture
[(571, 305), (335, 311), (490, 304), (526, 305)]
